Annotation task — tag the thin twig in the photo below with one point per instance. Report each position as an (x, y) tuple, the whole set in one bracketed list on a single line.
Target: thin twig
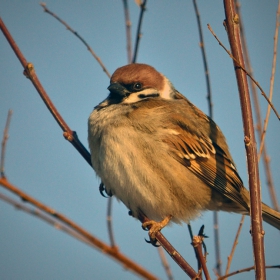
[(210, 110), (271, 87), (197, 244), (218, 266), (246, 72), (245, 270), (41, 215), (103, 247), (4, 143), (139, 34), (205, 64), (165, 264), (128, 31), (232, 27), (109, 222), (76, 34), (257, 109), (29, 72), (230, 257), (191, 236)]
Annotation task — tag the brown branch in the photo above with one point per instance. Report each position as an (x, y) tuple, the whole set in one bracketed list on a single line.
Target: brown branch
[(197, 244), (230, 257), (165, 264), (265, 156), (257, 232), (245, 71), (173, 253), (103, 247), (271, 87), (191, 236), (29, 72), (76, 34), (128, 31), (4, 143), (245, 270), (139, 34)]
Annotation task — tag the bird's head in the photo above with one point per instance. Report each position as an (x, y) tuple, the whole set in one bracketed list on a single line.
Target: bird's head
[(134, 82)]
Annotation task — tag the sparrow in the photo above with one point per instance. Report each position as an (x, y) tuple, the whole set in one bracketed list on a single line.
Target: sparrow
[(162, 156)]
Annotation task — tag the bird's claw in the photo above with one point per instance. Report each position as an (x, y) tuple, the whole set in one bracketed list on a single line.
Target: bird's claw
[(154, 227), (153, 242), (102, 190)]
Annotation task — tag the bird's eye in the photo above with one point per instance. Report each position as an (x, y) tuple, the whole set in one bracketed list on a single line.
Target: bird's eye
[(137, 86)]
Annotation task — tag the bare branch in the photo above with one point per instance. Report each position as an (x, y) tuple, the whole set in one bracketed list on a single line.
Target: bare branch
[(204, 58), (76, 34), (273, 68), (29, 72), (165, 264), (265, 156), (230, 257), (173, 253), (197, 244), (109, 222), (247, 73), (4, 144), (41, 215), (139, 35), (232, 27), (128, 31), (103, 247), (245, 270)]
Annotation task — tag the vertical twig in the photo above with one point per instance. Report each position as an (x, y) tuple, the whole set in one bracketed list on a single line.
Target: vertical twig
[(197, 244), (234, 244), (139, 34), (205, 64), (210, 110), (191, 235), (128, 31), (4, 144), (109, 222), (257, 109), (165, 264), (273, 68), (232, 26)]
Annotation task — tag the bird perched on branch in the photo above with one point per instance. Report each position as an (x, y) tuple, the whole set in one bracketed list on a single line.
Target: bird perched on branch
[(160, 155)]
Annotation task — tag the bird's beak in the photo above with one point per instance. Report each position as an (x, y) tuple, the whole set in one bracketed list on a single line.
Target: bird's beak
[(117, 89)]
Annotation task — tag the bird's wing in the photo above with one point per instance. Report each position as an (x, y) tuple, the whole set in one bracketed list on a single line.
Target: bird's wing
[(206, 155)]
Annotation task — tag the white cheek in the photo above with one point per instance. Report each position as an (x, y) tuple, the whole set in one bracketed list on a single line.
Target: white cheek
[(134, 97), (167, 91), (131, 98)]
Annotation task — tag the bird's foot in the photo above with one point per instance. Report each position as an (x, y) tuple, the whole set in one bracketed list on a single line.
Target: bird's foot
[(155, 227)]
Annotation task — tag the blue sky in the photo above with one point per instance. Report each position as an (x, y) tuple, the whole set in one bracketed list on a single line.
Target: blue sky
[(43, 164)]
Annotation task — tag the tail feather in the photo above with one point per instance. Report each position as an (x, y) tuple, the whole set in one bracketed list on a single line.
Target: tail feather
[(271, 216)]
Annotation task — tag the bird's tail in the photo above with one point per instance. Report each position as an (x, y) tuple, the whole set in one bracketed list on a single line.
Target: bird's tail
[(271, 216)]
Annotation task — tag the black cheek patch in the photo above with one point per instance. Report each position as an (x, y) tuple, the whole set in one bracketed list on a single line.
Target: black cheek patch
[(148, 95)]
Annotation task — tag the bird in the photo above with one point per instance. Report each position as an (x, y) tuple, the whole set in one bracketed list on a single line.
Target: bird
[(162, 156)]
